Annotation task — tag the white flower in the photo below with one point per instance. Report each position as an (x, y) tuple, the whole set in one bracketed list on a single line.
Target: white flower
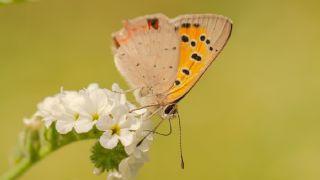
[(114, 175), (97, 171), (50, 109), (70, 118), (111, 113), (83, 109), (128, 169), (97, 106), (119, 96), (33, 122), (116, 126), (140, 133)]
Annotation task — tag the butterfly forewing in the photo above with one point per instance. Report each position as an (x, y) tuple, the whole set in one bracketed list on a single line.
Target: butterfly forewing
[(202, 37), (147, 55)]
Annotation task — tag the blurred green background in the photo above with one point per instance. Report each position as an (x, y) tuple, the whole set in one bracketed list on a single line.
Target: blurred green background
[(255, 115)]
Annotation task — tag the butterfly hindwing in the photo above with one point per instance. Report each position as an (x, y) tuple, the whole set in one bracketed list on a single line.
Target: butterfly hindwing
[(202, 37), (147, 55)]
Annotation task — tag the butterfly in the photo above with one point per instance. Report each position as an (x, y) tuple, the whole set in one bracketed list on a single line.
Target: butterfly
[(162, 58)]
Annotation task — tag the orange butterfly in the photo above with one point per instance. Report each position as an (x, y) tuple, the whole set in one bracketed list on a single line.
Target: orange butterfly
[(162, 59)]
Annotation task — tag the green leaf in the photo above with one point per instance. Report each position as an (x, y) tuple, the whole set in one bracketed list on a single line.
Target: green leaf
[(107, 159)]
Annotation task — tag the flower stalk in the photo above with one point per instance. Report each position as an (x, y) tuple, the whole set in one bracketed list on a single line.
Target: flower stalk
[(36, 144)]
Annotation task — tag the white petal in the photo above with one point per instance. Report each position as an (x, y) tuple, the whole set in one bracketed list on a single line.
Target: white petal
[(119, 110), (83, 126), (114, 175), (140, 111), (99, 98), (63, 127), (97, 171), (123, 99), (116, 88), (92, 86), (73, 103), (126, 137), (125, 122), (108, 108), (130, 149), (104, 123), (108, 141), (47, 121), (144, 147), (136, 124)]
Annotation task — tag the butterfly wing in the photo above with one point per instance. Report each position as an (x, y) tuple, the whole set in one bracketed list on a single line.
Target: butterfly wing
[(146, 53), (202, 37)]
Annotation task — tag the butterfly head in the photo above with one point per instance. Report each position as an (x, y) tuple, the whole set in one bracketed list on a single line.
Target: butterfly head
[(169, 111)]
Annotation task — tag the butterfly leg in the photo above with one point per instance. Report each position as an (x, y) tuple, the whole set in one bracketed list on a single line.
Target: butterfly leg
[(163, 134), (136, 109), (153, 130), (127, 91)]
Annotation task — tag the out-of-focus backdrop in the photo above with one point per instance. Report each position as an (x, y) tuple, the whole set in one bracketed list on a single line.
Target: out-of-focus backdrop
[(255, 115)]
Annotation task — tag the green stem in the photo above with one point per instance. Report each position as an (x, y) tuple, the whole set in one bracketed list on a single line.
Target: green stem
[(39, 144), (17, 170)]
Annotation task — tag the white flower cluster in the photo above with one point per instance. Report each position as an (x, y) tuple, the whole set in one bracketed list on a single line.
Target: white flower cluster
[(110, 112)]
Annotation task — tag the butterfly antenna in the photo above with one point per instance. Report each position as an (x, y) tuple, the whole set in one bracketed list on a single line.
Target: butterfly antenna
[(180, 141)]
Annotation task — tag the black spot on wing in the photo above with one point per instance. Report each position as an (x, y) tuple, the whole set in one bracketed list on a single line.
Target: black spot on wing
[(186, 71), (153, 23), (184, 38), (185, 25), (116, 42), (177, 82), (202, 37), (196, 57), (193, 43)]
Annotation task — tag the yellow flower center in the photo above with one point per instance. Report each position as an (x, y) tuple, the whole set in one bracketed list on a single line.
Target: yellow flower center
[(76, 116), (95, 116), (115, 130)]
